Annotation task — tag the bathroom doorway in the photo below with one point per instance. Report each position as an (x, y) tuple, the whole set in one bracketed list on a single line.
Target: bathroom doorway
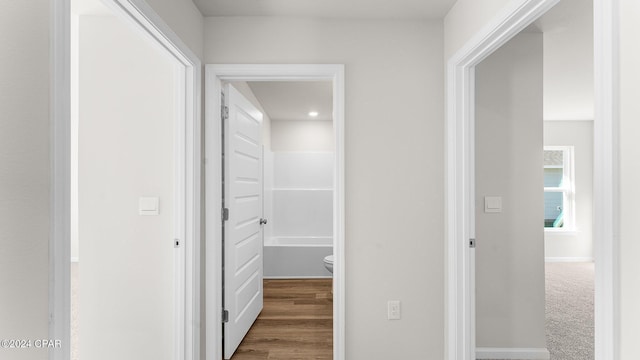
[(300, 222), (277, 234)]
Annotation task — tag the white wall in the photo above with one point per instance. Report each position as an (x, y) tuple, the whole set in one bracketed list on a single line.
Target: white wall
[(394, 141), (568, 47), (568, 61), (510, 308), (629, 179), (24, 174), (302, 135), (126, 142), (465, 19), (185, 20), (560, 245)]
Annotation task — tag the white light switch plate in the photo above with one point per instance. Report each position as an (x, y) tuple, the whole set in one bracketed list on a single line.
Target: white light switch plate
[(492, 204), (149, 206)]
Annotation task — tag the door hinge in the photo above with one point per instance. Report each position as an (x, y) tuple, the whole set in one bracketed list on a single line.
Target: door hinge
[(472, 243), (225, 112), (225, 214), (225, 316)]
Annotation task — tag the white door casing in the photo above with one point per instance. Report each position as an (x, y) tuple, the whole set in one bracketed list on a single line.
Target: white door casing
[(243, 229), (215, 75), (514, 17)]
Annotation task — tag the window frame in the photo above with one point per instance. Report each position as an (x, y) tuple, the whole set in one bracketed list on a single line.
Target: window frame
[(567, 189)]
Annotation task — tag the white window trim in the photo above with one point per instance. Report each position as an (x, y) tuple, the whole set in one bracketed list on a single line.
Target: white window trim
[(568, 188)]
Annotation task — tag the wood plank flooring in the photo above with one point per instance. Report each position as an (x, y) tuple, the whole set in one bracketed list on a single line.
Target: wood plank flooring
[(295, 323)]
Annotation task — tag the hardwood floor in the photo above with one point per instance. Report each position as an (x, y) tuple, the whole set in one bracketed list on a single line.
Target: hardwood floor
[(295, 323)]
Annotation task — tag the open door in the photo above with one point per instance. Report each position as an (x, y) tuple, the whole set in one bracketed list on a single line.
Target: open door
[(242, 269)]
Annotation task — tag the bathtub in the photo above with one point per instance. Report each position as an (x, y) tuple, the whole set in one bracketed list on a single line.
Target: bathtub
[(296, 257)]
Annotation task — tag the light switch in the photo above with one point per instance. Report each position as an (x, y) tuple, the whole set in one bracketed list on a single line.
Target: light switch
[(149, 206), (492, 204)]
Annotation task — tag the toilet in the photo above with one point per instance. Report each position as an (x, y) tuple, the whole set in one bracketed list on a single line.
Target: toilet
[(328, 263)]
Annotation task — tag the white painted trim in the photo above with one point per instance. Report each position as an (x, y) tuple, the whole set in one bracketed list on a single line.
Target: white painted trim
[(60, 201), (75, 259), (213, 211), (460, 178), (247, 72), (188, 162), (460, 182), (568, 191), (558, 259), (512, 353), (560, 232), (606, 197), (144, 18), (295, 277)]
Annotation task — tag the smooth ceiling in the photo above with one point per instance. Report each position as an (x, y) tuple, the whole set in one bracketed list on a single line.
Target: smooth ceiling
[(293, 100), (374, 9)]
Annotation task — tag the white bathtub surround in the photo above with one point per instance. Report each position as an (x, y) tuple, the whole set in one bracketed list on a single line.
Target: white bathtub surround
[(296, 258), (302, 213), (291, 241), (299, 205), (302, 170)]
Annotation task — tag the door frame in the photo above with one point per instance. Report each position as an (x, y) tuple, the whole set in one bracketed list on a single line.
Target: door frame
[(460, 203), (187, 154), (214, 75)]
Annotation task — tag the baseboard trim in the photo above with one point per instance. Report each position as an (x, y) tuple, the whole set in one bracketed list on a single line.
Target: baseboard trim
[(295, 277), (512, 353), (568, 259)]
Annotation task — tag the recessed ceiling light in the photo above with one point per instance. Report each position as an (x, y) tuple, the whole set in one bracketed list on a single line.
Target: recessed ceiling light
[(313, 113)]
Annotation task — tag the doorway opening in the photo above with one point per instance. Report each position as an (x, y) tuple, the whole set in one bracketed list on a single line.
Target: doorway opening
[(568, 138), (461, 200), (533, 112), (283, 191), (301, 223)]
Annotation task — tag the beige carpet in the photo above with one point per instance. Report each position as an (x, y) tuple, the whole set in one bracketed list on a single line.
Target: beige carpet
[(570, 325)]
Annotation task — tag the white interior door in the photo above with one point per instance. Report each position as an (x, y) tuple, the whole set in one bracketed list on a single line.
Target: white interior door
[(243, 230), (130, 276)]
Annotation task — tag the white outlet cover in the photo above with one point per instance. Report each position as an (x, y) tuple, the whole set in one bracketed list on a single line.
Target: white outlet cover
[(393, 310)]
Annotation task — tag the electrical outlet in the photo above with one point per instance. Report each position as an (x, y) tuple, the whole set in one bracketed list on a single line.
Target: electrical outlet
[(393, 310)]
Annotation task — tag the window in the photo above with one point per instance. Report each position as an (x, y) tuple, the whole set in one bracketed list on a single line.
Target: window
[(558, 188)]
